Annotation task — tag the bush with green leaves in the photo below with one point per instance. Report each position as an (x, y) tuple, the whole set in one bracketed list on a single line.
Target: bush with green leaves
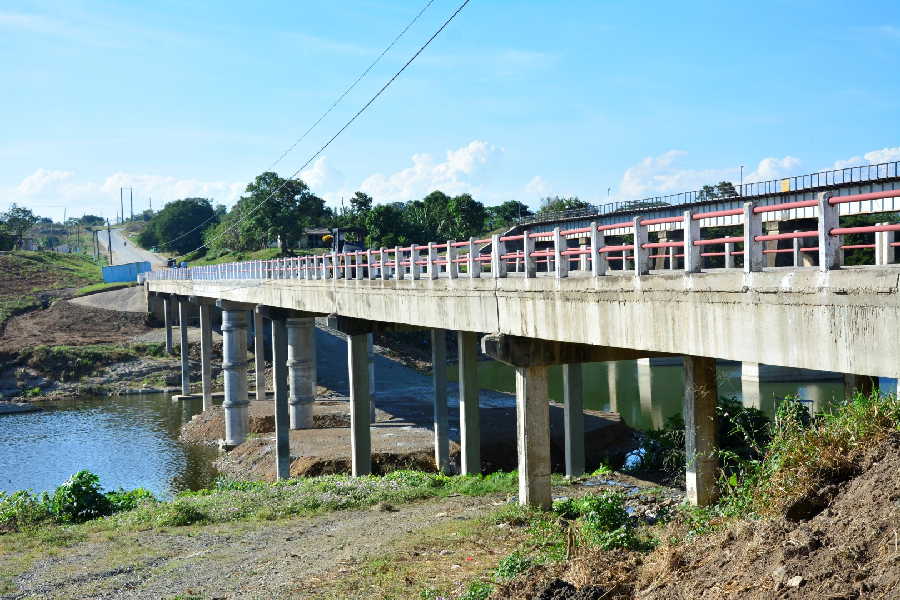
[(79, 499), (512, 565), (22, 510), (602, 519)]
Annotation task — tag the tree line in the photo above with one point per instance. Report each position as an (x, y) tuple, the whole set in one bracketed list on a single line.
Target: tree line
[(275, 210)]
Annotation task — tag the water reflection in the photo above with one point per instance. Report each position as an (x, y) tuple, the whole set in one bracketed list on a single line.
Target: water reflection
[(129, 441), (647, 394)]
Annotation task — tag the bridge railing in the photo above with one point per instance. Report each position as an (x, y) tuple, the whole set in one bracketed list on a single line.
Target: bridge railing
[(454, 259), (799, 183)]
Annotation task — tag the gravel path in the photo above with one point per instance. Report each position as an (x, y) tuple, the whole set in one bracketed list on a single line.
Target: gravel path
[(124, 300), (231, 561)]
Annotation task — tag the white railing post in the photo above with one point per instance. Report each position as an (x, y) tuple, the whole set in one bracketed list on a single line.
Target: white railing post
[(398, 264), (641, 254), (561, 260), (829, 245), (433, 269), (583, 257), (414, 261), (473, 265), (796, 250), (599, 264), (498, 263), (753, 255), (382, 261), (729, 256), (528, 251), (452, 266), (369, 265), (691, 235)]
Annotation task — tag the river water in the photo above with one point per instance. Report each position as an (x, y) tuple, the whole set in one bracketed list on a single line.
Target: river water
[(132, 441), (129, 441)]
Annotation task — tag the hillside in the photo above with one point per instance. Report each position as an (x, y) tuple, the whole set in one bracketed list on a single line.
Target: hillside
[(30, 280)]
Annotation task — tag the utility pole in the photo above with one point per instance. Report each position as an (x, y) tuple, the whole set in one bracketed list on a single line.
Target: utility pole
[(131, 200), (109, 241), (121, 206)]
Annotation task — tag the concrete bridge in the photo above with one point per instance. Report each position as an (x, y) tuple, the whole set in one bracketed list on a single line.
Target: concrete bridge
[(561, 304)]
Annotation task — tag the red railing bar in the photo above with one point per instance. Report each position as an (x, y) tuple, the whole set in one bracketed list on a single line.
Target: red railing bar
[(662, 220), (867, 196), (786, 206), (621, 225), (785, 236), (718, 213), (864, 229), (616, 248), (510, 238), (723, 240), (663, 245), (578, 230)]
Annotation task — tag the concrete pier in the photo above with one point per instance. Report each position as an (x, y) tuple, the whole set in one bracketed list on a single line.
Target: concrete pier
[(184, 308), (361, 435), (533, 436), (439, 379), (370, 357), (280, 387), (167, 320), (469, 418), (863, 384), (700, 398), (301, 362), (573, 418), (259, 353), (206, 353), (234, 363)]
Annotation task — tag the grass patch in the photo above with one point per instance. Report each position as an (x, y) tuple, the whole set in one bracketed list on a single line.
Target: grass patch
[(103, 287), (71, 363)]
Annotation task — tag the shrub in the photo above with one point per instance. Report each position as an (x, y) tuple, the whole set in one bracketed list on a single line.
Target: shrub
[(79, 499), (477, 590), (122, 499), (178, 514), (512, 565), (22, 510), (602, 519)]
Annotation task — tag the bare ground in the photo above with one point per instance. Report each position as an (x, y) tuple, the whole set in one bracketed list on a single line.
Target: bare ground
[(285, 559)]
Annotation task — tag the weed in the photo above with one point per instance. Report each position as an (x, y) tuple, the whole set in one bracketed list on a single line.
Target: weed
[(512, 565), (477, 590)]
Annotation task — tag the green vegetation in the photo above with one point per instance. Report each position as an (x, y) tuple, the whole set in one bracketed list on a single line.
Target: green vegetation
[(215, 257), (23, 275), (13, 225), (102, 287), (77, 500), (179, 226), (70, 363)]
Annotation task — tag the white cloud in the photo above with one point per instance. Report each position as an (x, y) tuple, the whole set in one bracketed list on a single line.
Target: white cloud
[(321, 175), (48, 192), (872, 157), (662, 175), (453, 176), (538, 186)]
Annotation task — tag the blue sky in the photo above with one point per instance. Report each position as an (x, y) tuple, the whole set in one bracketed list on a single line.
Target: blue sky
[(514, 100)]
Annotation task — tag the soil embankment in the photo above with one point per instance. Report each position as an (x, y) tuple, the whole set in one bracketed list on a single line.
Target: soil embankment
[(847, 548)]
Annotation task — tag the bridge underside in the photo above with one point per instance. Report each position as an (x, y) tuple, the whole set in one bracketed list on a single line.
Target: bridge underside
[(843, 320)]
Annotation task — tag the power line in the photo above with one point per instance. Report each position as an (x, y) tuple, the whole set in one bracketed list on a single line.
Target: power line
[(342, 129), (332, 107)]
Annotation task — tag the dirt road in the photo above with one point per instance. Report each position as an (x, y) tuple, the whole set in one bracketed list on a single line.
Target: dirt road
[(283, 559), (130, 300)]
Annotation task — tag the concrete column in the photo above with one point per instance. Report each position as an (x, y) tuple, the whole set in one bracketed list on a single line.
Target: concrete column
[(469, 417), (660, 263), (301, 362), (771, 227), (729, 257), (641, 254), (884, 252), (560, 260), (751, 388), (370, 356), (829, 246), (700, 397), (360, 399), (652, 410), (599, 262), (863, 384), (206, 353), (439, 379), (259, 354), (533, 436), (528, 250), (583, 257), (573, 417), (692, 256), (234, 363), (612, 376), (795, 247), (280, 387), (167, 319), (673, 261), (753, 256), (183, 309)]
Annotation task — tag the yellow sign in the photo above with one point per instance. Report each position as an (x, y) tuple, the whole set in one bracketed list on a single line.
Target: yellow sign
[(785, 185)]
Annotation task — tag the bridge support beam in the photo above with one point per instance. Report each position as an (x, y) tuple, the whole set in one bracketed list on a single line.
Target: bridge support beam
[(183, 311), (469, 416), (259, 353), (280, 387), (573, 418), (206, 353), (234, 364), (700, 397), (301, 364), (370, 357), (533, 436), (439, 379), (357, 332), (167, 320)]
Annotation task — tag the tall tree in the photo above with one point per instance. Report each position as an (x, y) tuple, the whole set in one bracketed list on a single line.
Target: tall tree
[(465, 218), (556, 204), (279, 209), (17, 221), (503, 215), (179, 226)]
